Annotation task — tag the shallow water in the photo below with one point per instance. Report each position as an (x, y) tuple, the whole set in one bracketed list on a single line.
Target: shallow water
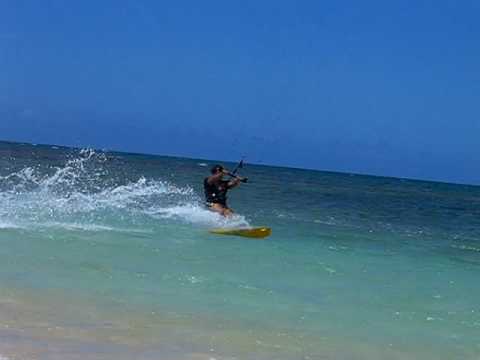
[(105, 255)]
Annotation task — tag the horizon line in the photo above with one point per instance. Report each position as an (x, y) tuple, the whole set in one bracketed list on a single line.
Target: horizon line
[(252, 163)]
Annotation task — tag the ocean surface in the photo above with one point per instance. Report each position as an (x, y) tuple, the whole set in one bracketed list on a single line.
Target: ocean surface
[(108, 256)]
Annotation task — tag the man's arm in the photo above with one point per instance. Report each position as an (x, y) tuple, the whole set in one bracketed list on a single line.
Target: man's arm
[(234, 182)]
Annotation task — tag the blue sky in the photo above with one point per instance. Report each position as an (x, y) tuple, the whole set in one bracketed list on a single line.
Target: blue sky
[(377, 87)]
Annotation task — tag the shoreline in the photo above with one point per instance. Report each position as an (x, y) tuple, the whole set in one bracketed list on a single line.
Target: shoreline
[(17, 346)]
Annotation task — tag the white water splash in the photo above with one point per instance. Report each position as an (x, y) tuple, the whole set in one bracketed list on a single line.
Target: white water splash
[(6, 225), (84, 195), (195, 214)]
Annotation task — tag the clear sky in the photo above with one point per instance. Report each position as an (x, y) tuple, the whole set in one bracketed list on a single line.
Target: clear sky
[(378, 87)]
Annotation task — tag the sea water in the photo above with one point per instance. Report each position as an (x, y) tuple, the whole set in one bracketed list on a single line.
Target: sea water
[(107, 255)]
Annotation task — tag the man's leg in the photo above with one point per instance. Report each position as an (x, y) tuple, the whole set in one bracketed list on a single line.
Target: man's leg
[(225, 211)]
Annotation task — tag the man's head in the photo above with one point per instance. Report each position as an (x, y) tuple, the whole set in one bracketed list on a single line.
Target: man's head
[(216, 169)]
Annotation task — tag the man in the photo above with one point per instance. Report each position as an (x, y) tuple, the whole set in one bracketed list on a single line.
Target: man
[(216, 190)]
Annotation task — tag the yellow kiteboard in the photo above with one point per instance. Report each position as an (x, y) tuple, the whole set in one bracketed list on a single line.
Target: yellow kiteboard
[(256, 232)]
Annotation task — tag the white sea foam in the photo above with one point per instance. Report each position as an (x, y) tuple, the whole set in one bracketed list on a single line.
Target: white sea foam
[(91, 227), (466, 247), (194, 213), (6, 225)]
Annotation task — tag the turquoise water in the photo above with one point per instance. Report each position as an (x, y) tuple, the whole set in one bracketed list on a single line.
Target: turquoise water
[(108, 255)]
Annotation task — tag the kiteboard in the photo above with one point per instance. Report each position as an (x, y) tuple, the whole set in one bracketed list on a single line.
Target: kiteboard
[(254, 232)]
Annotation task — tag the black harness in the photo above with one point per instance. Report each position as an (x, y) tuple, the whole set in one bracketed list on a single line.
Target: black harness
[(216, 193)]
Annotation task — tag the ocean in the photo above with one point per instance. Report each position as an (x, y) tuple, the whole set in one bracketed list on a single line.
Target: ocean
[(107, 255)]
